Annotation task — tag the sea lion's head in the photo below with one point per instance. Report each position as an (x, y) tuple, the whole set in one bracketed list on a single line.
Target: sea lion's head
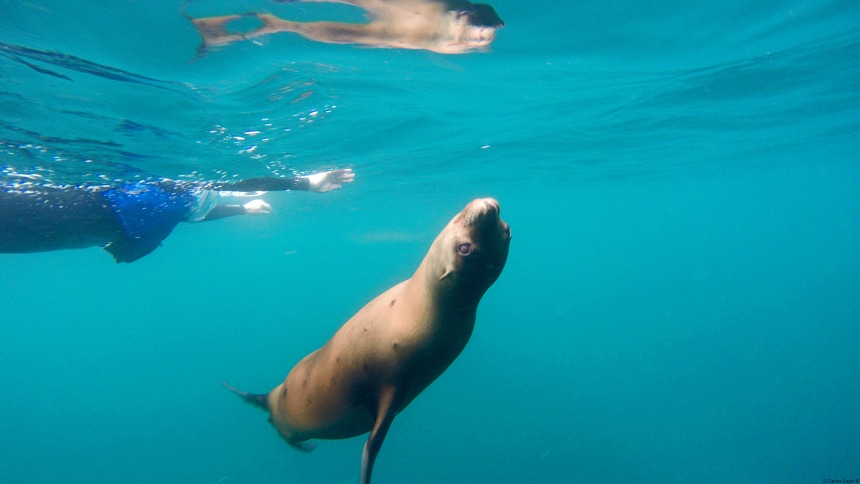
[(469, 254)]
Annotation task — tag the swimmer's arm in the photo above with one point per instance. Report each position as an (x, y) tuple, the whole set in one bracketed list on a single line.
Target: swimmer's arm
[(254, 207), (265, 184), (319, 182)]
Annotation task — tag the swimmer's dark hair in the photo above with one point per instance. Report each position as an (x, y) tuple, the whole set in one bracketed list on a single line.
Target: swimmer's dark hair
[(479, 14)]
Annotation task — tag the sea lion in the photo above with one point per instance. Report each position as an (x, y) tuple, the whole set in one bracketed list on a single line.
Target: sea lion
[(396, 345), (444, 26)]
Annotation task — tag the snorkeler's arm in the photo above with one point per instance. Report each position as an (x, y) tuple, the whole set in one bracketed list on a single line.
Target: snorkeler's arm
[(265, 184), (319, 182), (254, 207)]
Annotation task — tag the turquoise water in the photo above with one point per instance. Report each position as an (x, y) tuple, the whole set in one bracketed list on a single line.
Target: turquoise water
[(681, 299)]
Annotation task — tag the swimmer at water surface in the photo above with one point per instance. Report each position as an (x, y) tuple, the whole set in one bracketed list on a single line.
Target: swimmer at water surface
[(443, 26), (130, 220)]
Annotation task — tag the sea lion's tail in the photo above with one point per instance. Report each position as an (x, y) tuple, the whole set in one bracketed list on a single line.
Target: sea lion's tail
[(261, 401)]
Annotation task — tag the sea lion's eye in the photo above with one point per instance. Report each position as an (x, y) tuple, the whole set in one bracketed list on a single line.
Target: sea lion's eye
[(464, 249)]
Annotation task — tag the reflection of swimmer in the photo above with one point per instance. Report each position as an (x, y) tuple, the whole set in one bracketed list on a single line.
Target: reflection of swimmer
[(444, 26), (130, 220)]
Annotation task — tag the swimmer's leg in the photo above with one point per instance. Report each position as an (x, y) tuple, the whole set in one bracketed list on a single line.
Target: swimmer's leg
[(349, 2), (214, 30), (329, 32)]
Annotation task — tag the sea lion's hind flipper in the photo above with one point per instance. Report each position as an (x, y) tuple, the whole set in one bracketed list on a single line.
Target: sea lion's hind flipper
[(261, 401)]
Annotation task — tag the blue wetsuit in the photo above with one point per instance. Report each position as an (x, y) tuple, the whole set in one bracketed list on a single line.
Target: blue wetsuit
[(129, 221)]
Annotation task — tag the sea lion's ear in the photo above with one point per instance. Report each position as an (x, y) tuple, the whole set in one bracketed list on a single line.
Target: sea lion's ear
[(445, 274)]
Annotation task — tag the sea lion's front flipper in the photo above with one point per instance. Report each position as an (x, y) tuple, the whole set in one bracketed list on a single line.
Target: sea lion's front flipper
[(384, 417)]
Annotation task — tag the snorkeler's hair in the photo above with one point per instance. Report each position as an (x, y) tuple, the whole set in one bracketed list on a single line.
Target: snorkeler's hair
[(483, 15), (479, 14)]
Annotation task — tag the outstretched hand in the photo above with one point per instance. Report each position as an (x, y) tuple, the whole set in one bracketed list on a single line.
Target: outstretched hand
[(330, 180), (257, 207)]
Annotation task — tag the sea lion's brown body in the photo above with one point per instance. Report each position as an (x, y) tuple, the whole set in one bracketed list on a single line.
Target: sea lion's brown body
[(397, 344)]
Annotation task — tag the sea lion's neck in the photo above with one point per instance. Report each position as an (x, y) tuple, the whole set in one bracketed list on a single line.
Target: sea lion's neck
[(446, 308)]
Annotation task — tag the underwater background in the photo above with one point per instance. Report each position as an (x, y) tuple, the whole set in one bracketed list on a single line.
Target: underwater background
[(682, 298)]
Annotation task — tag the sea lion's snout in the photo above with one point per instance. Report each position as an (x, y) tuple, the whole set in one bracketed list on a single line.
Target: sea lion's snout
[(481, 211), (485, 213), (491, 205)]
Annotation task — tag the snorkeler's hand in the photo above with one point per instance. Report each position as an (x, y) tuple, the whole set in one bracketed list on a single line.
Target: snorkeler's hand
[(330, 180), (257, 207)]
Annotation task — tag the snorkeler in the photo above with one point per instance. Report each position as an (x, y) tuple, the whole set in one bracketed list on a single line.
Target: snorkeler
[(130, 220), (443, 26)]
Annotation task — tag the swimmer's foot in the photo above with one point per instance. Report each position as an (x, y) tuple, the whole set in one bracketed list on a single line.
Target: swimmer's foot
[(214, 32)]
